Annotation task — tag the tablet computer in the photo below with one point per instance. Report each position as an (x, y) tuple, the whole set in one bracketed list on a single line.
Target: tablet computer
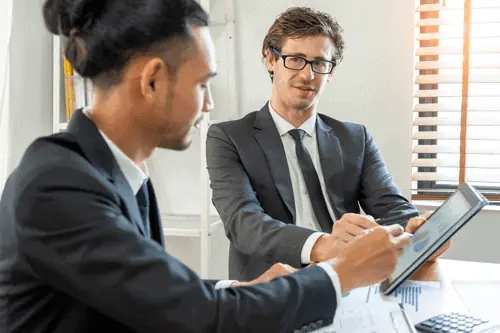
[(447, 219)]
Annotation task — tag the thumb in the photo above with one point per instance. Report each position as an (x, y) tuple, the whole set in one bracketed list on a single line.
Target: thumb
[(394, 230)]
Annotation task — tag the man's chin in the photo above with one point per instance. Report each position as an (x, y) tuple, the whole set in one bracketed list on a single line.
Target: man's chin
[(302, 103), (178, 145)]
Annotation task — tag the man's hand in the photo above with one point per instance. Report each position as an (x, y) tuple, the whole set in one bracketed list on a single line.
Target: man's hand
[(272, 273), (371, 257), (344, 231), (417, 222)]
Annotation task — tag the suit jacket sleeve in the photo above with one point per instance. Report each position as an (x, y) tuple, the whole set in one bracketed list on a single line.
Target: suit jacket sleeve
[(379, 196), (247, 226), (75, 238)]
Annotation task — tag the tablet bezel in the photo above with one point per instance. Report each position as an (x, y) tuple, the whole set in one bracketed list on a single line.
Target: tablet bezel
[(477, 200)]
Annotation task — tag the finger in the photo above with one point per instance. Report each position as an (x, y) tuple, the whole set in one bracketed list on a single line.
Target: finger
[(401, 241), (428, 214), (347, 237), (441, 251), (394, 229), (277, 268), (284, 269), (290, 269), (415, 223), (341, 231), (361, 221), (354, 229)]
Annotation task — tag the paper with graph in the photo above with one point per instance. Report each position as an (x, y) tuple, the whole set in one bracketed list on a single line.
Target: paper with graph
[(366, 310)]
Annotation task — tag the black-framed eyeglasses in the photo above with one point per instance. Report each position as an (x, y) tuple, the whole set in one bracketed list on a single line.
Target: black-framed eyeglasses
[(298, 63)]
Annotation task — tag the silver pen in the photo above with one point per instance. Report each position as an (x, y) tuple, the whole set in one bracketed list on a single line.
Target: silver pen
[(407, 319)]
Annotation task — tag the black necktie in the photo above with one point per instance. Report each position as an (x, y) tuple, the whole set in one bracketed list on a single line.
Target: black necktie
[(143, 202), (312, 181)]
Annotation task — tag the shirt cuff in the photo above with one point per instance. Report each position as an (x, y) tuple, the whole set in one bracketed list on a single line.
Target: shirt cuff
[(305, 256), (223, 284), (335, 280)]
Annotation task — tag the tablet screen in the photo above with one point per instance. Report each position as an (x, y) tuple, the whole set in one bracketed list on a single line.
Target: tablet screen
[(443, 219)]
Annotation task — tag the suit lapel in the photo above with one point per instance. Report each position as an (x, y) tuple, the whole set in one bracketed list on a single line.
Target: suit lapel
[(97, 152), (332, 165), (270, 141), (130, 200)]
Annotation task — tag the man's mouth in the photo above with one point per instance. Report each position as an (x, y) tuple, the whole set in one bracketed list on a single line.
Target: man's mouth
[(306, 88)]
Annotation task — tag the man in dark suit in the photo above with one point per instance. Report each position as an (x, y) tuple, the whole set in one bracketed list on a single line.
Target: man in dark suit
[(81, 245), (287, 181)]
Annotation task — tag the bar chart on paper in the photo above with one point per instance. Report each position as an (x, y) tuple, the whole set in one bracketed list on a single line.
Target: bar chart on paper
[(366, 310), (407, 294), (421, 300)]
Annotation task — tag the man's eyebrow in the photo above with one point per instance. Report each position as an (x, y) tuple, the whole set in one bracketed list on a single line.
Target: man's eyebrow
[(209, 75), (304, 56)]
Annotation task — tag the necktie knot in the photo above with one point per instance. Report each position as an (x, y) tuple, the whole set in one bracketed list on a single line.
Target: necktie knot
[(143, 196), (297, 134)]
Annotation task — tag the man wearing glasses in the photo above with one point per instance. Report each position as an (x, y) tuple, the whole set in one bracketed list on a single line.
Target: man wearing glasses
[(287, 181)]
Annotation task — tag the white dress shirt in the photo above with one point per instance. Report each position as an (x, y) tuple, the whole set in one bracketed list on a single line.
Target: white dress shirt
[(304, 213), (136, 176)]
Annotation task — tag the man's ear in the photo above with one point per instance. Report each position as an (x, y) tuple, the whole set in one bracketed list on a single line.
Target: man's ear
[(270, 61), (154, 77), (330, 76)]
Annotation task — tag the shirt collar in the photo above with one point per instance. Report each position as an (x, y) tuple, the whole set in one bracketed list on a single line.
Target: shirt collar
[(283, 126), (134, 175)]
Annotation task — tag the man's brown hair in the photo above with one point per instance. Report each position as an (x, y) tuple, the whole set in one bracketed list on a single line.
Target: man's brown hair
[(299, 22)]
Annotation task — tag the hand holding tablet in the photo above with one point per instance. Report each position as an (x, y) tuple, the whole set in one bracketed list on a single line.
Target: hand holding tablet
[(432, 235)]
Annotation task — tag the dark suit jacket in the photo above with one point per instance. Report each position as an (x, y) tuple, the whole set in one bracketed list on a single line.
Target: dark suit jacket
[(73, 257), (252, 190)]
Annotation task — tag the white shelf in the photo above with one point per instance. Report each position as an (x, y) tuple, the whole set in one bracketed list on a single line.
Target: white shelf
[(187, 225)]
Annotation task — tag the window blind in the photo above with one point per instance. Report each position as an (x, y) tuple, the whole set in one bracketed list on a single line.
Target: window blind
[(456, 118)]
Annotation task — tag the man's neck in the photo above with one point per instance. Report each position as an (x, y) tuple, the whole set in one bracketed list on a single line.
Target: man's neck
[(296, 117), (113, 122)]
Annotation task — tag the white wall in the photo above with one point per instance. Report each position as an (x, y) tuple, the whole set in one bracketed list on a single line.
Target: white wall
[(5, 34), (373, 86), (30, 79)]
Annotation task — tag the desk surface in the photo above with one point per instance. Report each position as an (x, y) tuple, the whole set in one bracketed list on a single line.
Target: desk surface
[(444, 269), (469, 287)]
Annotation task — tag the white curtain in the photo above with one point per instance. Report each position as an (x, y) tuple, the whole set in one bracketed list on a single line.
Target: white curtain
[(5, 34)]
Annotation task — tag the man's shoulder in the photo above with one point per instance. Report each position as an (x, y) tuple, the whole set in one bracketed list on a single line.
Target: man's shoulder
[(58, 156), (245, 122), (235, 129), (54, 149), (343, 127)]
